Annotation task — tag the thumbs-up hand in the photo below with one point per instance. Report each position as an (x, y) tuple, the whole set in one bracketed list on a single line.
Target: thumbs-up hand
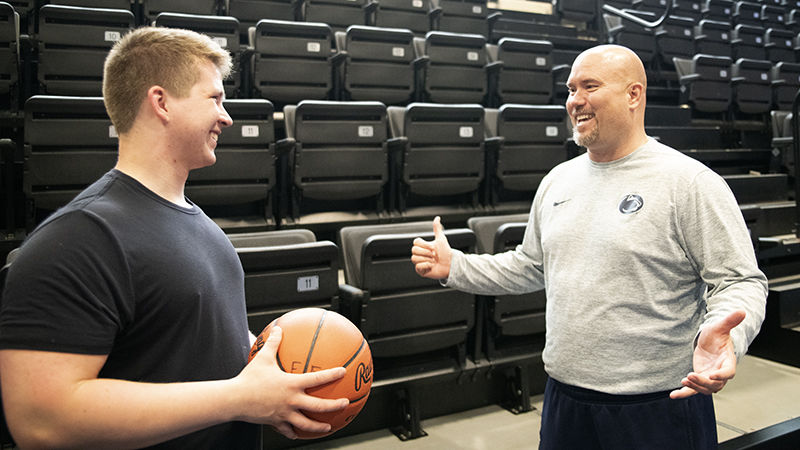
[(432, 259), (714, 359)]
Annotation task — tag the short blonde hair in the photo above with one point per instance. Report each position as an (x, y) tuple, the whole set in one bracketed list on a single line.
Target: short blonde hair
[(154, 56)]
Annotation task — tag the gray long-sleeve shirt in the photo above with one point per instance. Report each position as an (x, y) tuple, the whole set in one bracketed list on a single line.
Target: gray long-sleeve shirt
[(636, 255)]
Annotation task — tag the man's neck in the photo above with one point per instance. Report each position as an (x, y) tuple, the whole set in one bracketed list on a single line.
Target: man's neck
[(152, 169), (615, 152)]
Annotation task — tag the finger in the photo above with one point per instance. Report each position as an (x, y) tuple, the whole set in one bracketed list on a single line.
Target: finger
[(683, 392), (326, 376), (438, 229), (701, 387), (422, 268), (426, 249), (302, 422), (286, 430), (321, 405), (730, 322)]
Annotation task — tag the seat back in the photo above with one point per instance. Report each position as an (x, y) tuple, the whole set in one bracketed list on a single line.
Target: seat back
[(286, 270), (73, 43), (713, 38), (752, 87), (784, 92), (527, 73), (675, 39), (577, 10), (378, 65), (456, 69), (340, 155), (407, 318), (774, 16), (463, 16), (9, 57), (413, 15), (534, 141), (721, 10), (748, 42), (632, 35), (238, 190), (152, 8), (706, 82), (69, 143), (780, 45), (339, 14), (514, 323), (443, 160), (291, 61), (224, 30), (249, 12)]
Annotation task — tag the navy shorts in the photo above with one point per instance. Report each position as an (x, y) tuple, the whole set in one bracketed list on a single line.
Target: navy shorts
[(578, 418)]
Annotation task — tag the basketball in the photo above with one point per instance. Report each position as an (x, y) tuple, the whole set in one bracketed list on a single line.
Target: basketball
[(317, 339)]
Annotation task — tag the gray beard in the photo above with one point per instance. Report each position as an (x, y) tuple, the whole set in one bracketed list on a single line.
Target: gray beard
[(587, 139)]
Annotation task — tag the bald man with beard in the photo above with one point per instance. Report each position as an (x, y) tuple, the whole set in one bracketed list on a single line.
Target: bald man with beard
[(653, 290)]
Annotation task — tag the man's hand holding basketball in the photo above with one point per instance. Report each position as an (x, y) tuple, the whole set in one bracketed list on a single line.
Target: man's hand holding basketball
[(277, 398), (432, 259)]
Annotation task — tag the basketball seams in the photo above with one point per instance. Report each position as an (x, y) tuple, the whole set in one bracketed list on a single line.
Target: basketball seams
[(355, 355), (314, 340)]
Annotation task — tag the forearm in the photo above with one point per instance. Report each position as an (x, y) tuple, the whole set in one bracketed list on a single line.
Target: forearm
[(748, 295), (511, 272), (102, 413)]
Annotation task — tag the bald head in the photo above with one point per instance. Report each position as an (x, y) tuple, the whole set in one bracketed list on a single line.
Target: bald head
[(606, 104), (619, 63)]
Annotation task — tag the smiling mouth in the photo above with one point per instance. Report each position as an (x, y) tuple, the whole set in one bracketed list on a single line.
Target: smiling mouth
[(582, 118)]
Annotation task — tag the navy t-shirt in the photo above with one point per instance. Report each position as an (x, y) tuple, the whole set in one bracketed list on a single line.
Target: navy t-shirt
[(122, 272)]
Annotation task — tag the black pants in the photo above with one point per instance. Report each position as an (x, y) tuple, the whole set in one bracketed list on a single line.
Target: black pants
[(577, 418)]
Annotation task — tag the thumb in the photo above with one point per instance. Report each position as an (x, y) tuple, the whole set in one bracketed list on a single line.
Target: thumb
[(730, 322), (438, 229)]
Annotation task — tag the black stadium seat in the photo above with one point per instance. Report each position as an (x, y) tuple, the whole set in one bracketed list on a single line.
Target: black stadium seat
[(415, 15), (340, 14), (285, 270), (531, 141), (72, 46), (9, 57), (339, 158), (752, 89), (291, 61), (69, 144), (456, 67), (152, 8), (249, 12), (439, 157), (526, 74), (713, 38), (705, 82), (238, 191), (412, 324), (379, 64), (785, 82)]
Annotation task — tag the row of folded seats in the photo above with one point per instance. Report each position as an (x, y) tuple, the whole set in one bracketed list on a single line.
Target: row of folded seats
[(781, 14), (681, 37), (324, 162), (416, 328), (287, 62), (420, 16)]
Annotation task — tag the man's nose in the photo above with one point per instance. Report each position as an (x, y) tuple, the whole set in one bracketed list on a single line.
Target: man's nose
[(224, 117)]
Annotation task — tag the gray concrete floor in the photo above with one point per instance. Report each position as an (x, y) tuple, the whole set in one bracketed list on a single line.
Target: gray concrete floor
[(763, 393)]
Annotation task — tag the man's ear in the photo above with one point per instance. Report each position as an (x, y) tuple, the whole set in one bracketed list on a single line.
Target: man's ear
[(157, 102), (635, 95)]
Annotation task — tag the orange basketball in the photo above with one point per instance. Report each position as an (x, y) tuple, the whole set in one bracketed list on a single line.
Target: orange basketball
[(316, 339)]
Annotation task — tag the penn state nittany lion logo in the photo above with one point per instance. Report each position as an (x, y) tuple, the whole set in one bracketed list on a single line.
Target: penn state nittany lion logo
[(630, 204)]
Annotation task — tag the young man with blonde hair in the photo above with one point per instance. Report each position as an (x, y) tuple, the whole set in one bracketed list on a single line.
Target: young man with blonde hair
[(653, 290), (123, 319)]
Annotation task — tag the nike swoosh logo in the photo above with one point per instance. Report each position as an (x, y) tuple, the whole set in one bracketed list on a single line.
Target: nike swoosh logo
[(561, 202)]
